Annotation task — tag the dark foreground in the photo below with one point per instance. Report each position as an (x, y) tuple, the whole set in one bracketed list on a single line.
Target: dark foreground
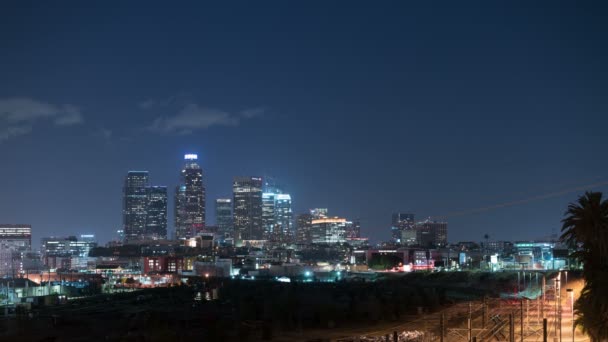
[(247, 310)]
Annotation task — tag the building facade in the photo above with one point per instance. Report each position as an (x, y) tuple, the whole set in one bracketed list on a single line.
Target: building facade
[(223, 216), (67, 253), (15, 242), (277, 217), (190, 200), (353, 230), (401, 222), (431, 233), (156, 213), (284, 217), (328, 230), (247, 211), (303, 228), (135, 199)]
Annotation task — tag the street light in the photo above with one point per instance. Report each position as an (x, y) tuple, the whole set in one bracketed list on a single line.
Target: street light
[(571, 292)]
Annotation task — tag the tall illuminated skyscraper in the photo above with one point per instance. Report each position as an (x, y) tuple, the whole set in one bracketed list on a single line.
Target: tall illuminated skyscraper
[(135, 198), (268, 214), (223, 216), (156, 210), (247, 212), (283, 217), (277, 216), (190, 200)]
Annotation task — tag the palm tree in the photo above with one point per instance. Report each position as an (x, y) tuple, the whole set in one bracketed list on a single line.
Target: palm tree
[(585, 230)]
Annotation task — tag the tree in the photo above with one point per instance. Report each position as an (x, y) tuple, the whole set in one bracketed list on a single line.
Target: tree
[(585, 230)]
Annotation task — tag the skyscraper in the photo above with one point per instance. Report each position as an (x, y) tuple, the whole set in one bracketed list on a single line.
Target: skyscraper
[(190, 200), (284, 217), (223, 216), (247, 212), (268, 214), (432, 233), (156, 210), (135, 198), (277, 216), (401, 222), (303, 227)]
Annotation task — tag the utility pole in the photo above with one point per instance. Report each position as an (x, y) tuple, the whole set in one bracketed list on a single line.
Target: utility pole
[(521, 319), (511, 328), (442, 326), (542, 307)]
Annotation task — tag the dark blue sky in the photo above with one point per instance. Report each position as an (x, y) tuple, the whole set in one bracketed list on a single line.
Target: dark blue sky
[(363, 109)]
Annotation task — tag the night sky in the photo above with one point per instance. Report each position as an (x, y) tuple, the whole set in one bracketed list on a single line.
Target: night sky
[(365, 110)]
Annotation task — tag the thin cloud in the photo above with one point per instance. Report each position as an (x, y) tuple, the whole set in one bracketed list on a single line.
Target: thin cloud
[(252, 113), (147, 104), (104, 133), (14, 131), (194, 117), (179, 98), (18, 115)]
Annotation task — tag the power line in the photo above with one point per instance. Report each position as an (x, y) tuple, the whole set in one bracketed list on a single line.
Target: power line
[(525, 200)]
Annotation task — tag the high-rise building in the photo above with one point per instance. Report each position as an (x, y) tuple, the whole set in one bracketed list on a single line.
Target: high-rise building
[(135, 199), (303, 228), (268, 214), (223, 216), (247, 211), (277, 216), (190, 200), (15, 241), (284, 217), (328, 230), (401, 222), (156, 210), (432, 233)]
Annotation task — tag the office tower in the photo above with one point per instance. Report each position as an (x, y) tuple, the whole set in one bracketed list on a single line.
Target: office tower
[(247, 211), (432, 233), (15, 242), (135, 198), (283, 217), (277, 216), (400, 223), (190, 200), (353, 230), (303, 228), (223, 216), (156, 210), (268, 215), (179, 213), (328, 230)]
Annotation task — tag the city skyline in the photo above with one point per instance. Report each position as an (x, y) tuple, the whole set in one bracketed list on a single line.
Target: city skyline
[(437, 111)]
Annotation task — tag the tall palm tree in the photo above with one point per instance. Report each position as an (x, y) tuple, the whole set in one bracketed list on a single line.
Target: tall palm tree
[(585, 230)]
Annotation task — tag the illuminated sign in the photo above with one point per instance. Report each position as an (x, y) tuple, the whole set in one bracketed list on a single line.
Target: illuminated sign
[(191, 157)]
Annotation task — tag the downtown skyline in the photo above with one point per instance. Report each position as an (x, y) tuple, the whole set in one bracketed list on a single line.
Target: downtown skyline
[(453, 109)]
